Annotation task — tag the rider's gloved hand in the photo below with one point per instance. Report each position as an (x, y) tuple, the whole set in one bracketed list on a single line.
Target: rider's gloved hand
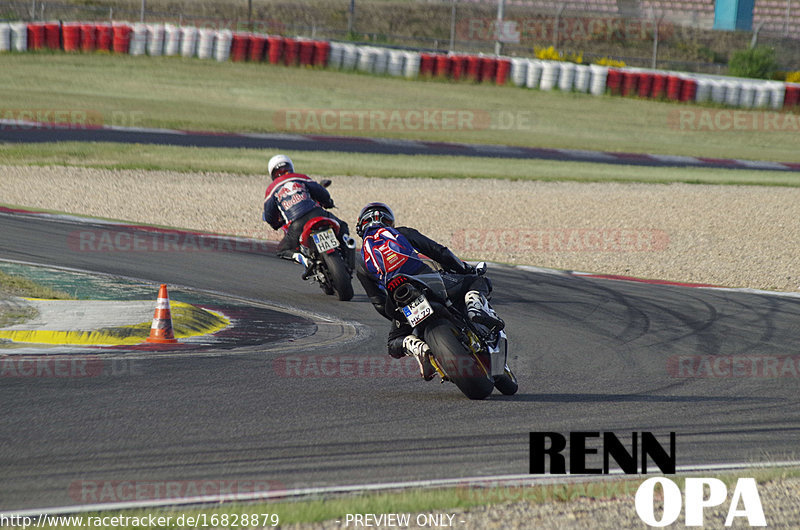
[(469, 269)]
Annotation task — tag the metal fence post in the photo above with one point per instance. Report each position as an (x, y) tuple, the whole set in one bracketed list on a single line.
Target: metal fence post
[(786, 20), (351, 17), (498, 45), (561, 8), (453, 26), (657, 17)]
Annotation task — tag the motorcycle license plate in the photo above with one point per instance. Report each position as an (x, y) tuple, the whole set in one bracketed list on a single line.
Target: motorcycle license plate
[(418, 310), (326, 240)]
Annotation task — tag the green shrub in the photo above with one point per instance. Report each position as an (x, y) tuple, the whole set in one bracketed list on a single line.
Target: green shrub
[(757, 62)]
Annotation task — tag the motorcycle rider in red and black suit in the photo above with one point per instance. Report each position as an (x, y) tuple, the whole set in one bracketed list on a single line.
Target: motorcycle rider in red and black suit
[(290, 201), (388, 251)]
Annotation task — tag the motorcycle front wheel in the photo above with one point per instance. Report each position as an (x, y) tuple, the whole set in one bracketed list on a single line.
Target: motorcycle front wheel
[(506, 383), (338, 275), (461, 367)]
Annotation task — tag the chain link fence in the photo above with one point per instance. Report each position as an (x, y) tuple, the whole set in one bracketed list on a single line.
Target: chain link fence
[(669, 34)]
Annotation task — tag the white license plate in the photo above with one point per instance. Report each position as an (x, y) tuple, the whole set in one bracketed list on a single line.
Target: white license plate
[(326, 240), (418, 310)]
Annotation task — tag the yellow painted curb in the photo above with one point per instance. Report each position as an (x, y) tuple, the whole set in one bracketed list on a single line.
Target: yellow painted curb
[(187, 321)]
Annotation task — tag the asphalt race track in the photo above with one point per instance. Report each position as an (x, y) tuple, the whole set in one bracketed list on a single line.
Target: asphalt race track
[(590, 354), (13, 132)]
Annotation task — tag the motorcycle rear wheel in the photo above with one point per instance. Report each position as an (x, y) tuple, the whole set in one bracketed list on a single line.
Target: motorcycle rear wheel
[(338, 275), (461, 367)]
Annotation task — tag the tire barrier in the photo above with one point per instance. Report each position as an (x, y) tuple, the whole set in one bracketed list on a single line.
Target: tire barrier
[(519, 71), (35, 36), (442, 66), (257, 48), (222, 45), (88, 37), (172, 40), (503, 69), (72, 37), (534, 74), (291, 52), (599, 78), (380, 62), (583, 77), (5, 37), (19, 36), (703, 94), (473, 67), (350, 57), (566, 77), (225, 45), (122, 38), (792, 96), (550, 71), (138, 40), (188, 41), (411, 65), (52, 35), (614, 81), (630, 83), (396, 65), (104, 38), (205, 43), (155, 39), (366, 59), (321, 52)]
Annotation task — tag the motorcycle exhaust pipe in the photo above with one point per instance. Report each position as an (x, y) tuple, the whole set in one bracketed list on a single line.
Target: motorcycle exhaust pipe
[(405, 294), (349, 242)]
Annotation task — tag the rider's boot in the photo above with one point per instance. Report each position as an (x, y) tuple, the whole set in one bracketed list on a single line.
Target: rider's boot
[(302, 260), (417, 347), (350, 251), (480, 312)]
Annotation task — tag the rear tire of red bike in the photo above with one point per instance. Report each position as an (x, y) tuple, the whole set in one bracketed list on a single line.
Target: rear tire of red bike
[(338, 275)]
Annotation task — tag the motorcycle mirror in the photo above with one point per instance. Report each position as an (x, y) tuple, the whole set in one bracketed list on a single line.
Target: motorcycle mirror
[(325, 183), (480, 268)]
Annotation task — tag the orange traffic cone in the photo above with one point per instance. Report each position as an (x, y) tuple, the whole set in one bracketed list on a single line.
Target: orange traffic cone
[(161, 330)]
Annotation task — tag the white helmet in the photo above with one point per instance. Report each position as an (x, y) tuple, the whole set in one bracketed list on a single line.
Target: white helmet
[(279, 163)]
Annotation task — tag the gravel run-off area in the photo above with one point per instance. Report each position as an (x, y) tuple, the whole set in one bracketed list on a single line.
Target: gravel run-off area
[(733, 236)]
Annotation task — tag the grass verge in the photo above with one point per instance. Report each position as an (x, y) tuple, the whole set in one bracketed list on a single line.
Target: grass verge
[(18, 286), (12, 285), (206, 95), (458, 499), (253, 161)]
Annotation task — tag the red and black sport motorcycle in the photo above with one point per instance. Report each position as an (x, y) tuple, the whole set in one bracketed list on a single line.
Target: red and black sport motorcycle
[(326, 262)]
